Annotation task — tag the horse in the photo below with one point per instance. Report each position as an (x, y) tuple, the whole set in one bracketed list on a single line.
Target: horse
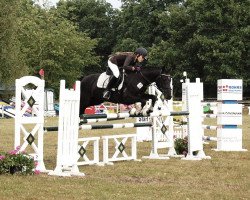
[(133, 90)]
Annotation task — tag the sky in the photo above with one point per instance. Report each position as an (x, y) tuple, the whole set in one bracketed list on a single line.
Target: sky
[(114, 3)]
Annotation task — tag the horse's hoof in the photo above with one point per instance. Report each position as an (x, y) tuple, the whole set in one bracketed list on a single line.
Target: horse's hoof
[(137, 113)]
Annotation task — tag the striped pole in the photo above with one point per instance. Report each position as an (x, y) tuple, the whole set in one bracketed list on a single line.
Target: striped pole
[(179, 113), (104, 126), (127, 115), (112, 126), (209, 138), (50, 128), (85, 121), (114, 116)]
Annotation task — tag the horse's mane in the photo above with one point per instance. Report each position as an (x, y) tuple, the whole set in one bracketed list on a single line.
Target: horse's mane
[(162, 69)]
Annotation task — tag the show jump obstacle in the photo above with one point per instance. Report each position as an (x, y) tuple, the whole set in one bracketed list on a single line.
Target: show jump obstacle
[(71, 148), (33, 98), (229, 113), (229, 135), (69, 151)]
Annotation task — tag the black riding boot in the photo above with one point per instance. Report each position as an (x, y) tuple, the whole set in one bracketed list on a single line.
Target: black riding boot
[(106, 93)]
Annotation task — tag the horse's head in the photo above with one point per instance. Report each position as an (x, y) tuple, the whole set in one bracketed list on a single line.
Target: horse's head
[(163, 82)]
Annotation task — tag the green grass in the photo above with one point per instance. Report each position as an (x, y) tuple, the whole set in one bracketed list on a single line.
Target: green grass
[(225, 176)]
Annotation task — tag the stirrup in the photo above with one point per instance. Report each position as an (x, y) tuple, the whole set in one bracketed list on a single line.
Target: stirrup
[(106, 94)]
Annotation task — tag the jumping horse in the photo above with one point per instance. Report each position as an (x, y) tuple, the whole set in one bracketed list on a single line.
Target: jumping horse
[(133, 90)]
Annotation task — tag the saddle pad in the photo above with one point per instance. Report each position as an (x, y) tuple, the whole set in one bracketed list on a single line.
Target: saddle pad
[(103, 81), (121, 84)]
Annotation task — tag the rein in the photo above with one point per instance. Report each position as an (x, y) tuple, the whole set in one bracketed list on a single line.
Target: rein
[(145, 78), (159, 76)]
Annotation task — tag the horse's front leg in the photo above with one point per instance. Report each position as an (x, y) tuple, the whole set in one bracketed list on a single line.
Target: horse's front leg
[(148, 104)]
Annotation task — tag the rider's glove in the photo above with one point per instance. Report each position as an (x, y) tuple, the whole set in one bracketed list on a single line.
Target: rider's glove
[(138, 69)]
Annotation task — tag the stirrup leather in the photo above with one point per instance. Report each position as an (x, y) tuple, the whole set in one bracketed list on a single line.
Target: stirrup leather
[(106, 94)]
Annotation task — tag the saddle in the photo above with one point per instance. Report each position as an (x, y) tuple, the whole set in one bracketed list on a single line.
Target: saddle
[(104, 78)]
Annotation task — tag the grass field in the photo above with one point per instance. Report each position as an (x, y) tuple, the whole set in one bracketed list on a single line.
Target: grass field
[(225, 176)]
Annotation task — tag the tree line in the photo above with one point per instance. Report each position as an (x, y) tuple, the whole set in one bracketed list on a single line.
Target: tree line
[(208, 39)]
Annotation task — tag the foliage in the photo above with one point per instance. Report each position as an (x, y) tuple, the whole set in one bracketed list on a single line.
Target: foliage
[(139, 20), (12, 65), (210, 38), (17, 162), (166, 58), (126, 45), (181, 146), (54, 44), (96, 18)]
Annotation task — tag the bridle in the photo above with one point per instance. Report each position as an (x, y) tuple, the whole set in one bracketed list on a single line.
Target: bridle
[(158, 77), (160, 83)]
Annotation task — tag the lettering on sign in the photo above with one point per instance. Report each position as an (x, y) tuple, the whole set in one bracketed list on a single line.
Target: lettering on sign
[(143, 119), (230, 88), (230, 113)]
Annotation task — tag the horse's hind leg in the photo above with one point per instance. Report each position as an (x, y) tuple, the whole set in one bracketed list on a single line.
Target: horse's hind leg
[(144, 107), (137, 109)]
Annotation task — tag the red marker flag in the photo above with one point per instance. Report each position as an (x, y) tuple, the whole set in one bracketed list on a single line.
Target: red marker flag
[(41, 72)]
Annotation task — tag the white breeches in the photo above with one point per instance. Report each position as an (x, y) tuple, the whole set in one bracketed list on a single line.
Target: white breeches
[(114, 69)]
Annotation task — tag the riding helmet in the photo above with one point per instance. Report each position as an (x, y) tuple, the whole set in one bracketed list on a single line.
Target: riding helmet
[(141, 51)]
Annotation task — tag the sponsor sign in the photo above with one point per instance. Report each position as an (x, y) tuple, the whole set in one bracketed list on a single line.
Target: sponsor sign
[(229, 139), (143, 133), (229, 89), (229, 114)]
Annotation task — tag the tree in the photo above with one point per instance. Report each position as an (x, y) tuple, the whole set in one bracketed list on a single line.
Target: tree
[(126, 45), (96, 18), (211, 38), (12, 65), (54, 44), (139, 20)]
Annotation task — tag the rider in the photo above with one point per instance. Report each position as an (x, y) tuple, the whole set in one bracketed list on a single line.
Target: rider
[(128, 61)]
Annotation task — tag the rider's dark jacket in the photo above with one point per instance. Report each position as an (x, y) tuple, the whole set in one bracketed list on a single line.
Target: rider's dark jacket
[(125, 60)]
